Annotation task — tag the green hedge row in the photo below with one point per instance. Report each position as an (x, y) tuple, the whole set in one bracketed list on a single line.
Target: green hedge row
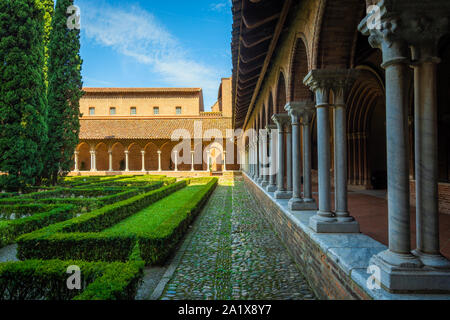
[(81, 238), (157, 244), (11, 229), (78, 238), (21, 211), (47, 280)]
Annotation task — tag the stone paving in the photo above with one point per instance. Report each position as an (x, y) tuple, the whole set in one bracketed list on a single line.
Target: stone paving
[(235, 255)]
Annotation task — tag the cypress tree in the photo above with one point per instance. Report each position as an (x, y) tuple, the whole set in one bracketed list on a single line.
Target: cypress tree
[(64, 93), (23, 101), (47, 6)]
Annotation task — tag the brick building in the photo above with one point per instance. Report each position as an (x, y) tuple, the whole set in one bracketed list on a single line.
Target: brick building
[(348, 95), (131, 130)]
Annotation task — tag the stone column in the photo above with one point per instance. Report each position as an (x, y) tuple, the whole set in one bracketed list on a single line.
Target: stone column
[(159, 160), (76, 169), (176, 160), (262, 168), (281, 120), (343, 82), (403, 25), (93, 161), (127, 168), (301, 113), (110, 161), (143, 160), (266, 175), (426, 155), (272, 130), (192, 161), (321, 85), (224, 161), (289, 157), (307, 116)]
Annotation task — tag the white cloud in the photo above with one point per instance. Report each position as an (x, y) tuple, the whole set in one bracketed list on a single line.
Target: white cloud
[(221, 6), (136, 33)]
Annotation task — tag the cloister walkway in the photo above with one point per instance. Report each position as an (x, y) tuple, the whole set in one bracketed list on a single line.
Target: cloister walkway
[(232, 253)]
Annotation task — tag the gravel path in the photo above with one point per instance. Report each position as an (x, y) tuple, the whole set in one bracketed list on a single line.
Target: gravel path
[(235, 255)]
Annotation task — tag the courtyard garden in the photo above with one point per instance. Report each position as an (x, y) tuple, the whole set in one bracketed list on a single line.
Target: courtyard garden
[(110, 228)]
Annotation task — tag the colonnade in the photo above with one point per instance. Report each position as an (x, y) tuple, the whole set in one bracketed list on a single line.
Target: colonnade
[(93, 161)]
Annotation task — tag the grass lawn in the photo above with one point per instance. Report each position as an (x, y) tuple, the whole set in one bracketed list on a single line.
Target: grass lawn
[(151, 217)]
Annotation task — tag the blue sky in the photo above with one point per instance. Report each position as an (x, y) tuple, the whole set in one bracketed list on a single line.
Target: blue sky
[(150, 43)]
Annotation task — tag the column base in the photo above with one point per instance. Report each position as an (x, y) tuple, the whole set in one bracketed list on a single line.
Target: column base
[(331, 225), (264, 184), (407, 274), (283, 194), (259, 180), (436, 261), (297, 204), (271, 188)]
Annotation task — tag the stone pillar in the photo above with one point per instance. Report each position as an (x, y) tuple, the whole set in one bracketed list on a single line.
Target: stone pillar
[(272, 130), (281, 121), (298, 111), (343, 82), (143, 160), (76, 168), (93, 161), (110, 161), (403, 25), (321, 83), (127, 168), (289, 157), (426, 156), (307, 116), (176, 160), (266, 175), (321, 86), (224, 161), (159, 160), (192, 161)]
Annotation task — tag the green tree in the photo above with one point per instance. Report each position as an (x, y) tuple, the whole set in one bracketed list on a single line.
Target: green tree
[(47, 6), (64, 93), (23, 101)]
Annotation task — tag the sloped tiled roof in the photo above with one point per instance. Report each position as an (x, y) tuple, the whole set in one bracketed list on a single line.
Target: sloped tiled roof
[(96, 129), (141, 90)]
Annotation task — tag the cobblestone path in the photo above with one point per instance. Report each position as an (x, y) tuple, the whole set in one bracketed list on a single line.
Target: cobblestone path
[(235, 255)]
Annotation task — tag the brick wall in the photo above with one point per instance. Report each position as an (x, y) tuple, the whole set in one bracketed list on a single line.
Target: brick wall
[(325, 277), (444, 196)]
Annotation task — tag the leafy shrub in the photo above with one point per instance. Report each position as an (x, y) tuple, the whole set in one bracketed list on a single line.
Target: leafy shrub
[(37, 280)]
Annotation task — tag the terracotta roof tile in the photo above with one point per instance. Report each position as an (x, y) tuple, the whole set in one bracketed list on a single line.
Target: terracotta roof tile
[(96, 129)]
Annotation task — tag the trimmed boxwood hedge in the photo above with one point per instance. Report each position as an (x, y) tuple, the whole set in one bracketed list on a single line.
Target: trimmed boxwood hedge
[(78, 238), (37, 280), (11, 229), (81, 238)]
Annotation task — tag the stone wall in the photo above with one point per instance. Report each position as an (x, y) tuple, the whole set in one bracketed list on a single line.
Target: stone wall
[(444, 196), (325, 276)]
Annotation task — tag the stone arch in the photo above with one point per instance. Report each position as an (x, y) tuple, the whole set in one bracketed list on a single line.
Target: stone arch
[(270, 109), (84, 156), (118, 156), (216, 153), (281, 95), (151, 156), (298, 71), (101, 157), (337, 33), (167, 164), (134, 157), (366, 123)]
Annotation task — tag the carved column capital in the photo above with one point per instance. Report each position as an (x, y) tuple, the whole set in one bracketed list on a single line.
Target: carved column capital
[(281, 120)]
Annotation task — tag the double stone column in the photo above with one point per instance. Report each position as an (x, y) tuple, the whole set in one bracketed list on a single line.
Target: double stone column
[(301, 113), (322, 82), (282, 120), (273, 141), (400, 30)]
